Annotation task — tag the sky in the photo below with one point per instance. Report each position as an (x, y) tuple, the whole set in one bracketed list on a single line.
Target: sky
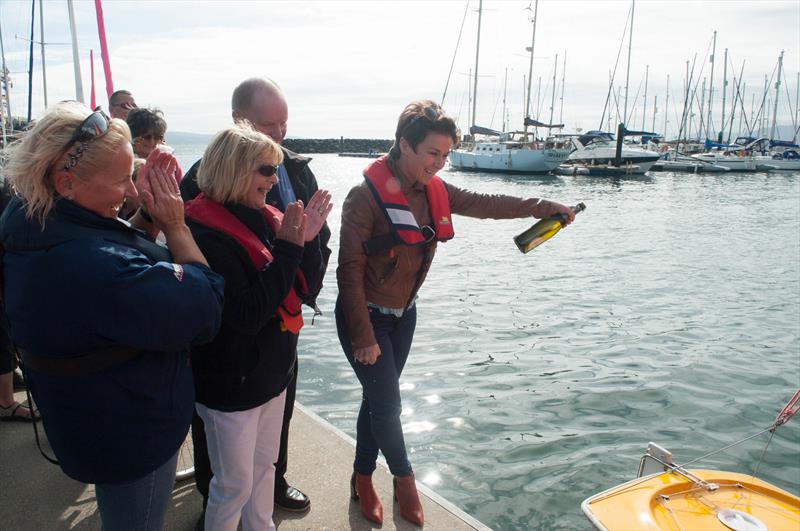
[(349, 67)]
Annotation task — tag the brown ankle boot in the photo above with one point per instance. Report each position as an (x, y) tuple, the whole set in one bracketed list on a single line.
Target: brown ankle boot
[(405, 492), (361, 489)]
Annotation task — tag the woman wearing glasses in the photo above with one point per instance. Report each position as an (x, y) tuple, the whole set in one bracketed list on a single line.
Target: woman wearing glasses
[(101, 315), (147, 129), (270, 262), (391, 224)]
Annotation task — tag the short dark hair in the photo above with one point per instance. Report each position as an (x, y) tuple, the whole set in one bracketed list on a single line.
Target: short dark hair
[(113, 98), (417, 120), (143, 120)]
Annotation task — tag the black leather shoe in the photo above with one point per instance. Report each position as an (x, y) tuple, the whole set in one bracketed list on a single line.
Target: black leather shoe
[(292, 500), (19, 381)]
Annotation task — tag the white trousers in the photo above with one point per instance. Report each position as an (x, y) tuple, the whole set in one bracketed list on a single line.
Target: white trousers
[(243, 447)]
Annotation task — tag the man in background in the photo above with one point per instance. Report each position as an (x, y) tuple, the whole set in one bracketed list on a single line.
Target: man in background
[(262, 103), (120, 103)]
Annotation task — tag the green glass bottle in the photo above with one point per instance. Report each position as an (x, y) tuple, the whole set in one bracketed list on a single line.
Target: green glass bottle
[(543, 230)]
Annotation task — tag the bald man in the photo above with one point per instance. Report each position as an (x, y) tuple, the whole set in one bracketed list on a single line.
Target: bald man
[(262, 103), (120, 104)]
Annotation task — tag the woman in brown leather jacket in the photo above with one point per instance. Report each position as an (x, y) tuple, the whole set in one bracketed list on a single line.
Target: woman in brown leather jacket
[(391, 224)]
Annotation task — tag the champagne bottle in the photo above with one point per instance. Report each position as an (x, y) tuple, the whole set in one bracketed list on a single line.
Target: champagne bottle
[(543, 230)]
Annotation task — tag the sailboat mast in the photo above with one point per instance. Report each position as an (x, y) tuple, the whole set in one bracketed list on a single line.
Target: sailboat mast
[(655, 110), (777, 90), (644, 101), (4, 102), (477, 56), (796, 108), (76, 64), (470, 119), (628, 72), (530, 66), (711, 85), (702, 110), (563, 82), (761, 112), (741, 104), (30, 62), (41, 43), (666, 109), (505, 86), (553, 93), (724, 93)]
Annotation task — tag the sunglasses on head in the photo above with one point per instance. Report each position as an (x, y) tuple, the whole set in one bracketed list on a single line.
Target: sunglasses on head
[(267, 170), (94, 126), (430, 113)]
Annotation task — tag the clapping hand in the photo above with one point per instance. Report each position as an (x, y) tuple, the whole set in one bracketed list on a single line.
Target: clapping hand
[(159, 190), (319, 206), (293, 227)]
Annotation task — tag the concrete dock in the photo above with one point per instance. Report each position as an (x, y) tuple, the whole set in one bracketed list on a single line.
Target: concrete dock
[(37, 496)]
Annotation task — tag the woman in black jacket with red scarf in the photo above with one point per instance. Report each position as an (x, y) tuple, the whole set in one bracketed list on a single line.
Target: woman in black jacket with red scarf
[(270, 262)]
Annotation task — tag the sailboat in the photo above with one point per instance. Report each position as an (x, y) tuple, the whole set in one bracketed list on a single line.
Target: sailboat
[(508, 151)]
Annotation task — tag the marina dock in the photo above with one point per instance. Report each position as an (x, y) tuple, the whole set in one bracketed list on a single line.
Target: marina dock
[(361, 155), (38, 496)]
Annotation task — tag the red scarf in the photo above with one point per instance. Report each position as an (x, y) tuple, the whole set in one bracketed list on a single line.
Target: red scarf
[(214, 215)]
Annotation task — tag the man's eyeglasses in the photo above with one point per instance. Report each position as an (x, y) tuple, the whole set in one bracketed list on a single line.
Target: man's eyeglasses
[(267, 170), (94, 126)]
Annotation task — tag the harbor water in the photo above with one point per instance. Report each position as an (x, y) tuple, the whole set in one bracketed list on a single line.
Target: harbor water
[(668, 312)]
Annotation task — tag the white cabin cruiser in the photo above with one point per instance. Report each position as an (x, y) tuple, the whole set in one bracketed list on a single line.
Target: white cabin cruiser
[(596, 148)]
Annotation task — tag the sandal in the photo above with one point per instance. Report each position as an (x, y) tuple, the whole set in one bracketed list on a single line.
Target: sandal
[(12, 413)]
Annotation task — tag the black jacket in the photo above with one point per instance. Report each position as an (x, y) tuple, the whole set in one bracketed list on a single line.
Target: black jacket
[(251, 360), (304, 185)]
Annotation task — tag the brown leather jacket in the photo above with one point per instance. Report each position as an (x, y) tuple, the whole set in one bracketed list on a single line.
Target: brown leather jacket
[(390, 279)]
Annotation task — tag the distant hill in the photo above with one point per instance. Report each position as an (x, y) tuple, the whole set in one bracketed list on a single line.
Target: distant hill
[(299, 145), (179, 137)]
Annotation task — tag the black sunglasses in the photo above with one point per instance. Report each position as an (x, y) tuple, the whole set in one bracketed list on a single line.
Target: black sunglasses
[(267, 170), (94, 126), (150, 137), (430, 113)]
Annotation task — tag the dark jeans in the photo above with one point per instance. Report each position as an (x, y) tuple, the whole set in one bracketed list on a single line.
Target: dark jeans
[(139, 505), (378, 426), (202, 464)]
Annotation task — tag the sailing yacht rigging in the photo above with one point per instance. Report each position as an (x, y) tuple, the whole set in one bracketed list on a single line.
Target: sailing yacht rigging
[(508, 151)]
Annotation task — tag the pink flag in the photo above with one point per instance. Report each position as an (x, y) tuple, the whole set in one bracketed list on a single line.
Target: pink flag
[(101, 30)]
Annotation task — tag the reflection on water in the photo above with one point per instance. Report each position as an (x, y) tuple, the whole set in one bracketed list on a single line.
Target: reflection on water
[(668, 312)]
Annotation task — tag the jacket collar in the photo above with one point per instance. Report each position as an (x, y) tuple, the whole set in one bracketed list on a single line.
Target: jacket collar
[(294, 163), (19, 231)]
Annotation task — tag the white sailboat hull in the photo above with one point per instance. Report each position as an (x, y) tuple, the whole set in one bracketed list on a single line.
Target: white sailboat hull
[(736, 162), (495, 157), (780, 164)]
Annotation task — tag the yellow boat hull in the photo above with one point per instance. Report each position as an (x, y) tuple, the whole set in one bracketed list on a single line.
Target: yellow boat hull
[(669, 501)]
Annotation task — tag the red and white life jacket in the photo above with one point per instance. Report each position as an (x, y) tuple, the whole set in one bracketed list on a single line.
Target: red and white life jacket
[(214, 215), (405, 230)]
